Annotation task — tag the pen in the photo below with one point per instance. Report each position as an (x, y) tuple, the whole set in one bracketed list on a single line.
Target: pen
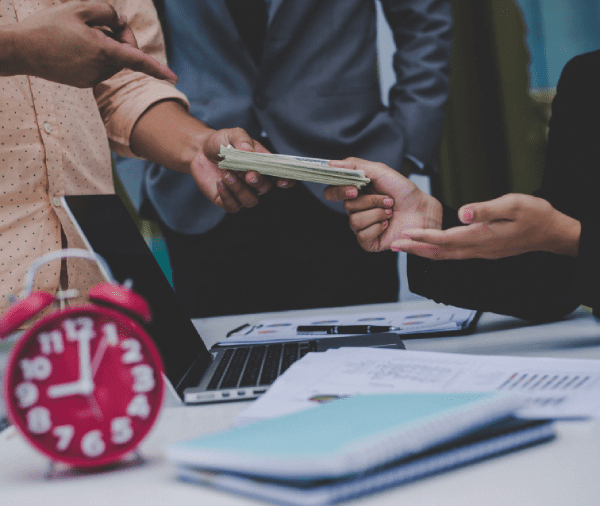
[(344, 329), (239, 329)]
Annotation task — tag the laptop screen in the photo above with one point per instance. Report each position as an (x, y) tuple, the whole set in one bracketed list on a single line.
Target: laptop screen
[(108, 228)]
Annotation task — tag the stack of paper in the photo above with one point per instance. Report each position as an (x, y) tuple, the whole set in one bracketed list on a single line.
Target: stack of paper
[(355, 446), (315, 170), (549, 387)]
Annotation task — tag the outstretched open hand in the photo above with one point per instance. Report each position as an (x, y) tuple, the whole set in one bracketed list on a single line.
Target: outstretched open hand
[(506, 226)]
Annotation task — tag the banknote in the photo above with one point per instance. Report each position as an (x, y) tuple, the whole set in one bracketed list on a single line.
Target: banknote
[(300, 168)]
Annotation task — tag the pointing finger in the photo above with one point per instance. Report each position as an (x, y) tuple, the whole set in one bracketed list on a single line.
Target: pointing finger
[(125, 56)]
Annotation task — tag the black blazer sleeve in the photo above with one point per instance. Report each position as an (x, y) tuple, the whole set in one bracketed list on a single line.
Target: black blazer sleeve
[(540, 286), (572, 174)]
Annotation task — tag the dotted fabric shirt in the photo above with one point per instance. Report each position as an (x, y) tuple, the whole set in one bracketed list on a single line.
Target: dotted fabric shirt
[(55, 140)]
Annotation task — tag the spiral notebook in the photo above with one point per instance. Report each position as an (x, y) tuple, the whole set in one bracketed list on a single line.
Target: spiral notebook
[(355, 446)]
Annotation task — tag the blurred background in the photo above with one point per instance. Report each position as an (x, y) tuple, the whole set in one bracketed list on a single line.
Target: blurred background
[(507, 58)]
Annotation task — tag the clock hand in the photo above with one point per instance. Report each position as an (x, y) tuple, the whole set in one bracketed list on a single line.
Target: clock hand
[(85, 362), (82, 331), (68, 389), (97, 358), (111, 338), (94, 406)]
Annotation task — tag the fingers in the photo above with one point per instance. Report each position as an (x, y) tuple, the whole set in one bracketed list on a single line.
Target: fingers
[(372, 170), (424, 244), (122, 48), (126, 56), (99, 14), (263, 184), (455, 243), (365, 202), (369, 225), (354, 163), (421, 249), (260, 183), (227, 201), (235, 137), (239, 139), (285, 183), (476, 213), (434, 252), (370, 238), (337, 193), (450, 238), (363, 220), (235, 189), (243, 194), (502, 208), (259, 148), (126, 36)]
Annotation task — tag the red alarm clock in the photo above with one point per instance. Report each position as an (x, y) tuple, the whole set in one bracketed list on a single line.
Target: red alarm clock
[(84, 384)]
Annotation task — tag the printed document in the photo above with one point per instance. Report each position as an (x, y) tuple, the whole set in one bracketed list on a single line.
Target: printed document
[(550, 387)]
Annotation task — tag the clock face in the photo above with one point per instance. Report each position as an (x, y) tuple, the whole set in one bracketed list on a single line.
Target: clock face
[(84, 385)]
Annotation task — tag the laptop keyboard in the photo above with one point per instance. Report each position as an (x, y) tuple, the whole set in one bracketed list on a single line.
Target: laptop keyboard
[(257, 365)]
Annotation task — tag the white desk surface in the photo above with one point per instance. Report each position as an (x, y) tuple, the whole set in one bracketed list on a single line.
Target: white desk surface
[(565, 471)]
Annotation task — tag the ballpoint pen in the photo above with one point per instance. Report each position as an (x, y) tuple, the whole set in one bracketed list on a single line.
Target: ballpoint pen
[(344, 329)]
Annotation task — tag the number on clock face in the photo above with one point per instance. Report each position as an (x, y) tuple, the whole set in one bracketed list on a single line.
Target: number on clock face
[(51, 342), (27, 394), (86, 387), (64, 434), (37, 368)]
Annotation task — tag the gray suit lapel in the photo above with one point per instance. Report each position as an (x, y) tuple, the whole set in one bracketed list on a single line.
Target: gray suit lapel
[(220, 7), (275, 4)]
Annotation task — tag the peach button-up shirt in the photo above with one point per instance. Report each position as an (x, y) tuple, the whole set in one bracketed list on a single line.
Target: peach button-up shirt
[(56, 140)]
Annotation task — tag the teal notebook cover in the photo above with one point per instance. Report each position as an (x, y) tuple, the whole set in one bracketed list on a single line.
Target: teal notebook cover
[(490, 441), (344, 437)]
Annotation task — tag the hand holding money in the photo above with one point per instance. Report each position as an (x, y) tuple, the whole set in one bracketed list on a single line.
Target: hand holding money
[(315, 170)]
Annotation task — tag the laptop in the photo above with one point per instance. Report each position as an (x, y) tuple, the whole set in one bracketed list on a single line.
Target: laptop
[(198, 375)]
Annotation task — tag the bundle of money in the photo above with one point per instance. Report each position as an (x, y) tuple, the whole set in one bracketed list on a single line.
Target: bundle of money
[(315, 170)]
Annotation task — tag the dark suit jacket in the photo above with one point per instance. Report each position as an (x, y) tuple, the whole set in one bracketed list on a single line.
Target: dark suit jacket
[(540, 286), (315, 92)]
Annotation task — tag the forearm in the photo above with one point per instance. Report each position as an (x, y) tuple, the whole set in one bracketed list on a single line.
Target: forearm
[(168, 135)]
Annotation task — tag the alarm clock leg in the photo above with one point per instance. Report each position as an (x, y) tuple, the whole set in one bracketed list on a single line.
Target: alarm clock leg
[(50, 470), (56, 469), (138, 458)]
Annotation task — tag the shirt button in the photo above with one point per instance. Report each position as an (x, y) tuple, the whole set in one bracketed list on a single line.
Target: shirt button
[(47, 127), (56, 201)]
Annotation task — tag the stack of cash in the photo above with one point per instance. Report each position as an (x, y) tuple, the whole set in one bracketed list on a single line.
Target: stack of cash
[(315, 170)]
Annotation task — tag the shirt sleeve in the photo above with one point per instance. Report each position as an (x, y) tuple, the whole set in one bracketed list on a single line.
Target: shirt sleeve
[(123, 98), (586, 278)]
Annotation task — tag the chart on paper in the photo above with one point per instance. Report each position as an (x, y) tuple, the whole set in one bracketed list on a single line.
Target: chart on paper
[(549, 387), (549, 382)]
